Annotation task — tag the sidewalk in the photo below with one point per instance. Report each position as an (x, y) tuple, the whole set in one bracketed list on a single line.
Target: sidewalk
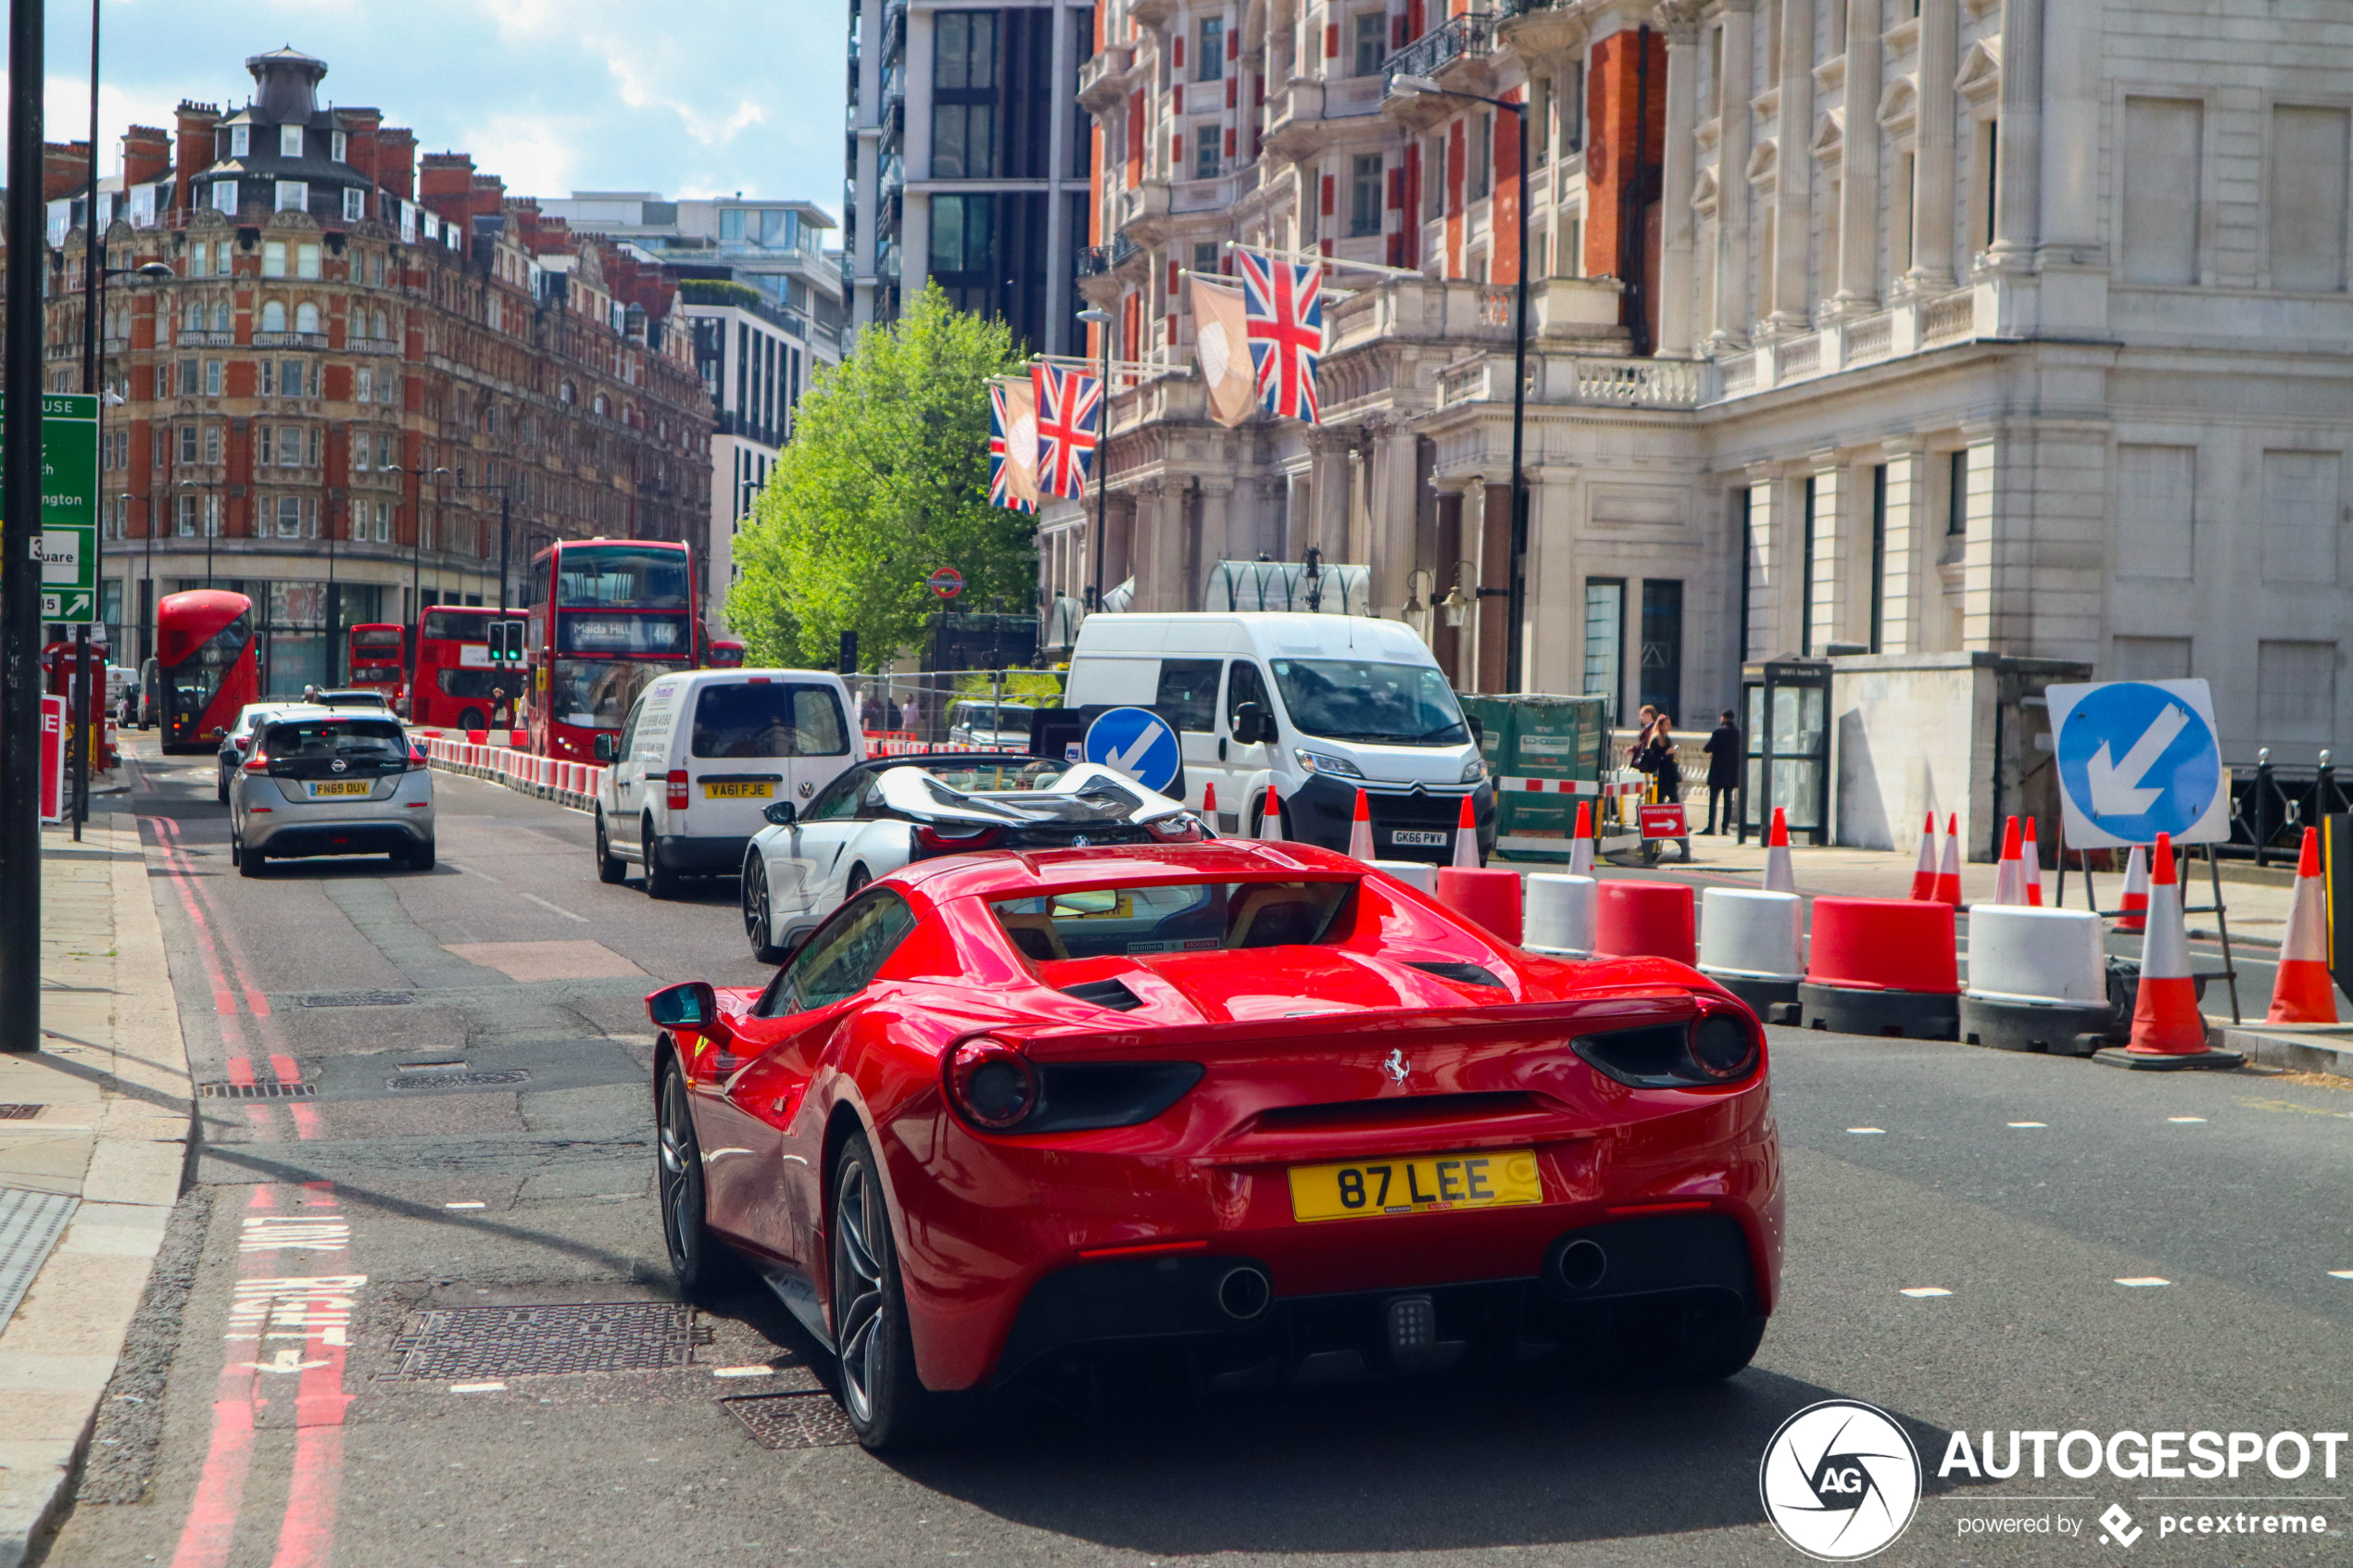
[(2257, 912), (93, 1144)]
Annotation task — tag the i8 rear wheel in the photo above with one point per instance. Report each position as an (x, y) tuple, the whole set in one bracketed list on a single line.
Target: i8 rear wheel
[(758, 916)]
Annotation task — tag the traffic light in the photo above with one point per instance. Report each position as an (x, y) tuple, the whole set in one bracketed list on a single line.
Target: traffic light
[(506, 643)]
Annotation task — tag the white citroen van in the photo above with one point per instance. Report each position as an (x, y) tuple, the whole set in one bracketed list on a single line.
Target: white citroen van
[(1320, 706), (699, 758)]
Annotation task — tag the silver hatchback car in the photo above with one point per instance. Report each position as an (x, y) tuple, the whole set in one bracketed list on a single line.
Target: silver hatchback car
[(317, 782)]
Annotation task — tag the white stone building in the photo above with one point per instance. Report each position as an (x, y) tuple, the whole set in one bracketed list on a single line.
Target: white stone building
[(1996, 326)]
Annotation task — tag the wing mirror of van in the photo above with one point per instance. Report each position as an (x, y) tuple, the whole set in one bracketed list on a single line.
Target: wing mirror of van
[(1253, 724), (1478, 729), (607, 747), (780, 813)]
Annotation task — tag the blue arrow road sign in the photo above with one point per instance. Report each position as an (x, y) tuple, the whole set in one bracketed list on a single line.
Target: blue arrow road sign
[(2137, 758), (1139, 743)]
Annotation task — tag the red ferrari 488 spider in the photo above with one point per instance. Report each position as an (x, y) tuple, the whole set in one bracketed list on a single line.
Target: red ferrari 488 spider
[(1252, 1106)]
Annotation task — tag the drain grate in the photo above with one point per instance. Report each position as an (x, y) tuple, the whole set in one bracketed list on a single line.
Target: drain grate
[(793, 1421), (259, 1091), (457, 1080), (30, 1224), (460, 1343), (359, 1000), (18, 1112)]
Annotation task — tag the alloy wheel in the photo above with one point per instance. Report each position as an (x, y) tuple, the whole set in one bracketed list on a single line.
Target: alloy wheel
[(858, 1291), (681, 1205), (755, 901)]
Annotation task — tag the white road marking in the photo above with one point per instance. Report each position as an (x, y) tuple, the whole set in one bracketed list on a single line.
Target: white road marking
[(2185, 1117), (1866, 1129), (1923, 1291), (2341, 1273), (743, 1372), (467, 1205), (545, 905), (471, 871), (2143, 1282), (477, 1387), (2029, 1124)]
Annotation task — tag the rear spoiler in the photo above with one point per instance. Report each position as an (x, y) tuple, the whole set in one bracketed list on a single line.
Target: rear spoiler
[(1620, 1008)]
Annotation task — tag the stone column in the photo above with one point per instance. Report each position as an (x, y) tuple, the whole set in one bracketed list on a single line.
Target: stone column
[(1793, 171), (1447, 641), (1770, 631), (1982, 611), (1859, 223), (1932, 150), (1328, 531), (1119, 538), (2019, 190), (1830, 530), (1902, 552), (1680, 18), (1216, 527), (1734, 199), (1396, 503)]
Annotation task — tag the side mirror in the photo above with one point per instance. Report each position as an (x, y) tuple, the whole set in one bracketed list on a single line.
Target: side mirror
[(607, 747), (1478, 729), (780, 813), (1252, 724), (690, 1006)]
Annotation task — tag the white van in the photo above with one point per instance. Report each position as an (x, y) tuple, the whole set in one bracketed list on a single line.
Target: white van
[(699, 758), (1318, 705)]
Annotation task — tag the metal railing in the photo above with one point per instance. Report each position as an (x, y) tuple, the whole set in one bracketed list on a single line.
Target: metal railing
[(1096, 260), (2273, 804), (1470, 33)]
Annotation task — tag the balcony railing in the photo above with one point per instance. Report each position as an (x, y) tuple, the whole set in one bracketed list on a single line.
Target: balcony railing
[(289, 340), (1096, 260), (1472, 33)]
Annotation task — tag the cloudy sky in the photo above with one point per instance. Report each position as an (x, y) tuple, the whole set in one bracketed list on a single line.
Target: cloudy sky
[(692, 99)]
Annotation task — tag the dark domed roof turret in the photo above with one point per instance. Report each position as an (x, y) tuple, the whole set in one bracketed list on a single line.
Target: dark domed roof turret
[(288, 83)]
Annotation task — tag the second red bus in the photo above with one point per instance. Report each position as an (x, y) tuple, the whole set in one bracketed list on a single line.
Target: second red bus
[(208, 666)]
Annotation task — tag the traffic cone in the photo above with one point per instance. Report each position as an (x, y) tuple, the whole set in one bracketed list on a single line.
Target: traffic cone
[(1948, 865), (2166, 1020), (1466, 838), (2010, 877), (1778, 875), (1924, 875), (2301, 990), (1270, 827), (1581, 849), (2136, 891), (1360, 832), (2033, 867), (1208, 802)]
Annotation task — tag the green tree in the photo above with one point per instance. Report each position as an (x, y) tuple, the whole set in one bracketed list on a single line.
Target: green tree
[(886, 480)]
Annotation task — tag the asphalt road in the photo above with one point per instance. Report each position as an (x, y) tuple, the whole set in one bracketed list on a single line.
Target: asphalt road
[(315, 1378)]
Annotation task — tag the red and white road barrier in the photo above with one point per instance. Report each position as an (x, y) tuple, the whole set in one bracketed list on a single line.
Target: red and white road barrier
[(1488, 899), (2168, 1029), (1752, 944), (2037, 980), (1559, 915), (549, 778), (1654, 920), (2302, 991), (1881, 966)]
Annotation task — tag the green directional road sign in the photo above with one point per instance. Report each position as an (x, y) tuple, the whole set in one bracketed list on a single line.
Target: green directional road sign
[(68, 545)]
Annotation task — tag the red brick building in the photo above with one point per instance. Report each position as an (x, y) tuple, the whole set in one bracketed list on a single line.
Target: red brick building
[(357, 354)]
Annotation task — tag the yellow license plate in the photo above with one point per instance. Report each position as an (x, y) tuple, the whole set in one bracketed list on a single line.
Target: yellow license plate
[(737, 791), (355, 787), (1416, 1185)]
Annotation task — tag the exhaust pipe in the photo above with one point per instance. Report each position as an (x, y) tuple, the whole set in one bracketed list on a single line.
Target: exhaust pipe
[(1581, 1265), (1244, 1292)]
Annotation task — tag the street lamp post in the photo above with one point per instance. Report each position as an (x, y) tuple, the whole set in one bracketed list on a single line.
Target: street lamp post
[(1101, 320), (1515, 650)]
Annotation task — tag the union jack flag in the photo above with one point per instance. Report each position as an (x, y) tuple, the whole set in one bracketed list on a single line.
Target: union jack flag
[(1068, 404), (1001, 486), (1283, 302)]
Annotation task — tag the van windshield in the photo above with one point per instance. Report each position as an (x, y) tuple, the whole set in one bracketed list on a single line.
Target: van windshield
[(1359, 699)]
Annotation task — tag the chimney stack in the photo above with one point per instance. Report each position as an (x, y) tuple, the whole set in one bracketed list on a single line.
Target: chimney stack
[(196, 122), (445, 184), (65, 169), (396, 162), (146, 155)]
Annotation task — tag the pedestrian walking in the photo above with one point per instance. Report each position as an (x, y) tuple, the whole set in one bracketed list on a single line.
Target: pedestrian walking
[(1658, 760), (1723, 750), (1637, 753)]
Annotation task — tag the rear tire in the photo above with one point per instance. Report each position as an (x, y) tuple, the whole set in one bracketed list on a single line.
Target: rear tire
[(250, 860), (418, 856), (472, 719), (887, 1403), (660, 880), (223, 791), (759, 916), (610, 866), (859, 877)]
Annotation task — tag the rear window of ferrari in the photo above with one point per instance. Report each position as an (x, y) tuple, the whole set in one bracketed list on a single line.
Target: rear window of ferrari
[(1198, 917)]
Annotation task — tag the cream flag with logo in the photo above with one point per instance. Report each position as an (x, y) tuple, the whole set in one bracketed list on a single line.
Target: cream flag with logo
[(1021, 439), (1221, 339)]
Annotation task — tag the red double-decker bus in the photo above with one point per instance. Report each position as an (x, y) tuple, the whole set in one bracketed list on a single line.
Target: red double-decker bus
[(206, 665), (380, 658), (724, 653), (607, 616), (467, 673)]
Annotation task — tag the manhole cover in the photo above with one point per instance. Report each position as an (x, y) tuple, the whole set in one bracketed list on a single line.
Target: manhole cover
[(359, 1000), (459, 1343), (18, 1112), (259, 1091), (793, 1421), (457, 1080)]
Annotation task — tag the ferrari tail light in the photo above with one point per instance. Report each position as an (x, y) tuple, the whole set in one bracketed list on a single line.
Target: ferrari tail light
[(677, 797), (1717, 1046), (995, 1086), (991, 1085), (931, 840)]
